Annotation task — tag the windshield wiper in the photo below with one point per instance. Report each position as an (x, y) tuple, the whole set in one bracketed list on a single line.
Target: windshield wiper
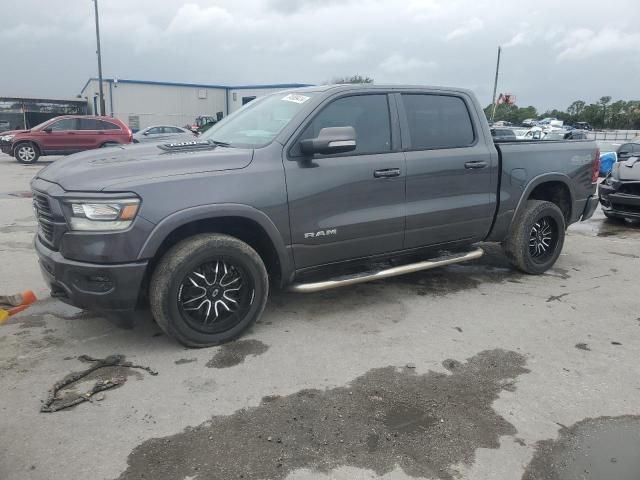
[(219, 143)]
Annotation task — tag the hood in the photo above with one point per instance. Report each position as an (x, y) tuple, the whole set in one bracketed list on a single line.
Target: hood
[(628, 170), (13, 132), (99, 169)]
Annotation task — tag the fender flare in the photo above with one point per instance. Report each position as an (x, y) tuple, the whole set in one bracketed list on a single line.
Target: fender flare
[(539, 180), (213, 211)]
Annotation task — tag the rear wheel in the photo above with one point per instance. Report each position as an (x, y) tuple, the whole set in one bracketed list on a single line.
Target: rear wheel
[(537, 237), (208, 289), (26, 152)]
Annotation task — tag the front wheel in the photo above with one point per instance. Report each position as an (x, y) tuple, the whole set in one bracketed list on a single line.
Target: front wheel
[(536, 239), (26, 152), (208, 289)]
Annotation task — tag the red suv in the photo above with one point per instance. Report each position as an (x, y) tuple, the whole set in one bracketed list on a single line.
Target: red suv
[(64, 135)]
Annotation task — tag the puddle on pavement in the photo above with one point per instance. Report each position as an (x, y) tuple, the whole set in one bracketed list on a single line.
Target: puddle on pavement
[(493, 267), (604, 448), (600, 226), (234, 353), (388, 417)]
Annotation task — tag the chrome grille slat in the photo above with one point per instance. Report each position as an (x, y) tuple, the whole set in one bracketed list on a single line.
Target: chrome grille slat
[(45, 216)]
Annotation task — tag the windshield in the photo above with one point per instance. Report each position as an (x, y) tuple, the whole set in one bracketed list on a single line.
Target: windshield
[(257, 123), (40, 126)]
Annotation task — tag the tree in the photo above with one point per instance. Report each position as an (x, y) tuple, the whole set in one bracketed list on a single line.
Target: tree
[(511, 113), (352, 79), (576, 109)]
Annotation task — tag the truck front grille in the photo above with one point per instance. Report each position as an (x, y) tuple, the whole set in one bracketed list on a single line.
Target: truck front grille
[(44, 216)]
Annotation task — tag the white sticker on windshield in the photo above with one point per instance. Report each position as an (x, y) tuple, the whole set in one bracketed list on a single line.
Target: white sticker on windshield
[(295, 98)]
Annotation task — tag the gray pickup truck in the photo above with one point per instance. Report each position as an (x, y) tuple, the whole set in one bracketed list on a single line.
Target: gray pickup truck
[(306, 189)]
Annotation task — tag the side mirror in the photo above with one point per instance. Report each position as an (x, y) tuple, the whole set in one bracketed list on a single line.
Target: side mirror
[(145, 133), (47, 129), (330, 140)]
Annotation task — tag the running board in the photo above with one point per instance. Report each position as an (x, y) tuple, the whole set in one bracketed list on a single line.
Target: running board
[(389, 272)]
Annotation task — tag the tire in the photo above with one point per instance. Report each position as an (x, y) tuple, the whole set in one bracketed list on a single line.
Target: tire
[(536, 238), (109, 144), (190, 275), (26, 152)]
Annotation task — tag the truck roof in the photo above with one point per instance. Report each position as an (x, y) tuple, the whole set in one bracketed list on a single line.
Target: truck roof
[(369, 86)]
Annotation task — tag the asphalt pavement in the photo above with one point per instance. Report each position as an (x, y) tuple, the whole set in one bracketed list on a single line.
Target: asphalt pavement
[(473, 371)]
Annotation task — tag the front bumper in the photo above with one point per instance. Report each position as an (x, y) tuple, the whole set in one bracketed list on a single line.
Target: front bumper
[(614, 203), (91, 286)]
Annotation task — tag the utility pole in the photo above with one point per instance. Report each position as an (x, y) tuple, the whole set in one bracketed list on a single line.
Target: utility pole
[(495, 85), (102, 105)]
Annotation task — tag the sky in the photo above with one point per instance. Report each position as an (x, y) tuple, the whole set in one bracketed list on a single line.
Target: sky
[(554, 51)]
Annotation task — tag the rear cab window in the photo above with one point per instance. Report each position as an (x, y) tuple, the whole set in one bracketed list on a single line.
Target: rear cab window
[(437, 121)]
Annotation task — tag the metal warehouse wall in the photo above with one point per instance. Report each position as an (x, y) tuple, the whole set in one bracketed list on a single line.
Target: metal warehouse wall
[(240, 93), (157, 104)]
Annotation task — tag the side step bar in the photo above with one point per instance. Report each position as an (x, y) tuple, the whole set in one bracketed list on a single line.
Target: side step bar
[(389, 272)]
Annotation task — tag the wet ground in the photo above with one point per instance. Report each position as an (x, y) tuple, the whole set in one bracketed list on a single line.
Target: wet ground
[(470, 371)]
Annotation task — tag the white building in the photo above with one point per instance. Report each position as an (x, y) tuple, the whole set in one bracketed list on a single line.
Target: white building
[(140, 103)]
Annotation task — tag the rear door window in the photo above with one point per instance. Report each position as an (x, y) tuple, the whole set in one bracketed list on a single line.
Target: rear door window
[(438, 121), (88, 124), (367, 114), (107, 125)]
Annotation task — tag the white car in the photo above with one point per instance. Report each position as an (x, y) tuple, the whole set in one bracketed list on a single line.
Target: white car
[(160, 133)]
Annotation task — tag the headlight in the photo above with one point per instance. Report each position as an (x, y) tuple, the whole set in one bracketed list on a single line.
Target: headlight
[(91, 215), (6, 138)]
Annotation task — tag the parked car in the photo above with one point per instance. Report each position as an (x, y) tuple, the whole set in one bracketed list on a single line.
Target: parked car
[(160, 133), (529, 122), (576, 135), (628, 150), (503, 134), (620, 190), (520, 133), (582, 126), (64, 135), (293, 189)]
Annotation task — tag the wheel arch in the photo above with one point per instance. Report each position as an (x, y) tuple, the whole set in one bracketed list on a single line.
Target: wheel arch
[(241, 221), (552, 187), (25, 140)]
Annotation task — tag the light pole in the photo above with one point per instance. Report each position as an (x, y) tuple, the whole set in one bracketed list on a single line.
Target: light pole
[(102, 105), (495, 86)]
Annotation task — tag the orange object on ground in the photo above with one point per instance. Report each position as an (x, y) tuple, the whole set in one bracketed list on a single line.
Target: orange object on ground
[(12, 304)]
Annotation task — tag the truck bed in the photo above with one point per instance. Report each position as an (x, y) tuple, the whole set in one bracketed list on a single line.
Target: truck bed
[(522, 163)]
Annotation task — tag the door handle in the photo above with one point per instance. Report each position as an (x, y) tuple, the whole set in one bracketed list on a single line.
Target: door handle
[(387, 172), (475, 164)]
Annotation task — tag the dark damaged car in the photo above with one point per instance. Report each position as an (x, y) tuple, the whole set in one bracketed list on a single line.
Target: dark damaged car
[(620, 191)]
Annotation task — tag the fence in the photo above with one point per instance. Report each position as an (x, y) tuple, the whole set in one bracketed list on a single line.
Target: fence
[(613, 135)]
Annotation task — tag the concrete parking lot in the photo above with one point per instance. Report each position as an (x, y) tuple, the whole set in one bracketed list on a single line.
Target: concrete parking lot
[(472, 371)]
